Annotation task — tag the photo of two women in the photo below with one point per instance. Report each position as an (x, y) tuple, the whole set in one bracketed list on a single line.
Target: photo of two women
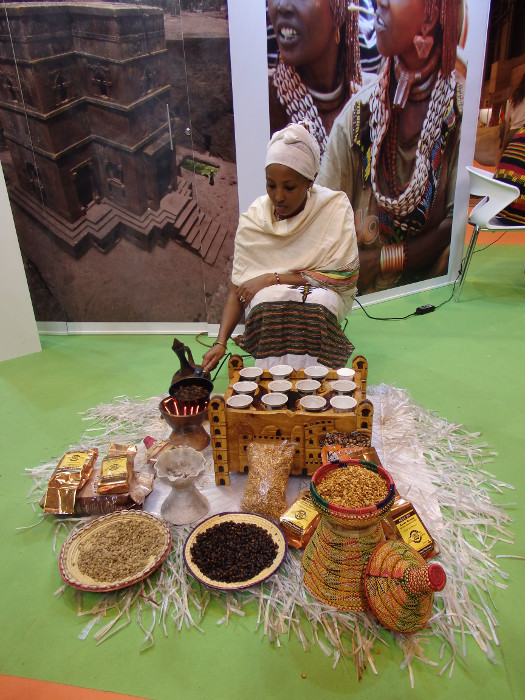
[(380, 84)]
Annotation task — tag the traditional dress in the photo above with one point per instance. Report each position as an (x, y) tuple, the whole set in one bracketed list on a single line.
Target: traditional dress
[(299, 325), (349, 161), (511, 169)]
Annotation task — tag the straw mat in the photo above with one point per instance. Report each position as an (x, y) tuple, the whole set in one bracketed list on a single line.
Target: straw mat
[(435, 463)]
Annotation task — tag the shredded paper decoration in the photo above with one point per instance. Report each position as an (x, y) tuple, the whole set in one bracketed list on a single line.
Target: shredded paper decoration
[(437, 464)]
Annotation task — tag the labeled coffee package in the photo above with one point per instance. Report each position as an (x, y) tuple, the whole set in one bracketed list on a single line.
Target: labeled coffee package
[(72, 472), (299, 521), (90, 502), (403, 523), (117, 469)]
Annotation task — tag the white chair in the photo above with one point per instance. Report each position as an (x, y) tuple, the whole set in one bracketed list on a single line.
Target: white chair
[(496, 196)]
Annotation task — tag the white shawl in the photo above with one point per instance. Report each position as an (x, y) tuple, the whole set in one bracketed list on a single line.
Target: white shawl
[(321, 237)]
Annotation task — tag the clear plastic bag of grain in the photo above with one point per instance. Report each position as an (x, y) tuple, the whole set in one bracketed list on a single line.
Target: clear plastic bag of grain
[(269, 466)]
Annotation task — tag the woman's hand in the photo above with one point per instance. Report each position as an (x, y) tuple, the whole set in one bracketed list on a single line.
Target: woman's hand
[(247, 290), (212, 357), (232, 312)]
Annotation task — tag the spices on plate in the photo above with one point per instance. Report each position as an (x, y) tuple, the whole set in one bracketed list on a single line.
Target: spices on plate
[(231, 552), (269, 466), (117, 469), (72, 472), (352, 487), (120, 551)]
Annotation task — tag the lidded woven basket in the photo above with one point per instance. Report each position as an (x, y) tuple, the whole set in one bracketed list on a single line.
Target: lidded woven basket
[(336, 556), (400, 586)]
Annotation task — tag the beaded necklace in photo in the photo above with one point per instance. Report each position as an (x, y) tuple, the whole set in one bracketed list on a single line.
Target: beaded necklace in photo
[(410, 206), (298, 102)]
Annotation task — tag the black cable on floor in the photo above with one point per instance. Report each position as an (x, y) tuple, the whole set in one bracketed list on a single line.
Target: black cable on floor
[(421, 310), (488, 246)]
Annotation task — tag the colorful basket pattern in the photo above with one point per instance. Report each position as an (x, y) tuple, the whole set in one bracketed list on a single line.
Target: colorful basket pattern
[(334, 564), (356, 517), (400, 586), (335, 559)]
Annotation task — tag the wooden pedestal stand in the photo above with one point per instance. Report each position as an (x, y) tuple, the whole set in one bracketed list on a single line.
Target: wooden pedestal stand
[(232, 430)]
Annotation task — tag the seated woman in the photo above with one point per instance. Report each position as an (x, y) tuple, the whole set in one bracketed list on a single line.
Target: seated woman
[(295, 264), (515, 113), (511, 169), (394, 147)]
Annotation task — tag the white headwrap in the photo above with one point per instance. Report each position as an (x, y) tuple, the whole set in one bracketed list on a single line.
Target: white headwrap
[(296, 148)]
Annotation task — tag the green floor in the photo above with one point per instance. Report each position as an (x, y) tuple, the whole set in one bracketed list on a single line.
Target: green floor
[(464, 361)]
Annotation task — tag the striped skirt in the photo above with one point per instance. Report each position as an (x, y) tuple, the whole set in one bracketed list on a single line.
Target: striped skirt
[(511, 169), (282, 328)]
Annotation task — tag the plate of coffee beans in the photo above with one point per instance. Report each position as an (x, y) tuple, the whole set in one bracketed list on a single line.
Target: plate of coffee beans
[(230, 551)]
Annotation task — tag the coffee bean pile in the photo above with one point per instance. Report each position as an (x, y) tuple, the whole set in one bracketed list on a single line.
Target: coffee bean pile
[(346, 439), (231, 552), (190, 392)]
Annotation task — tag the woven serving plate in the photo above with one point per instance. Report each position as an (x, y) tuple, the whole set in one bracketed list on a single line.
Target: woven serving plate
[(275, 533), (97, 531)]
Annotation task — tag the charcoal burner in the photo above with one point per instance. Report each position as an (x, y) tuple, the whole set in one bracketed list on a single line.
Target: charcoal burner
[(185, 419)]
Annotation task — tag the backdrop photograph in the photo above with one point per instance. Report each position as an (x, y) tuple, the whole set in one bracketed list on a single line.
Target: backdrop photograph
[(382, 86), (118, 149)]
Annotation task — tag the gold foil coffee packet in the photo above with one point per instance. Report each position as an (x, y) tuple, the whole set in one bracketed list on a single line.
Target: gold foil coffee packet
[(90, 502), (72, 472), (403, 523), (300, 521), (117, 469)]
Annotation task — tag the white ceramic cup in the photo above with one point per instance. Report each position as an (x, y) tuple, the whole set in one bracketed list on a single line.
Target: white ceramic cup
[(307, 386), (251, 374), (343, 386), (280, 386), (312, 402), (245, 387), (318, 372), (281, 371), (240, 401), (274, 401), (345, 373), (342, 404)]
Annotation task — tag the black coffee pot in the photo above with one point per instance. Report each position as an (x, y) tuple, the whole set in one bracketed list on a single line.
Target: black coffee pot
[(189, 372)]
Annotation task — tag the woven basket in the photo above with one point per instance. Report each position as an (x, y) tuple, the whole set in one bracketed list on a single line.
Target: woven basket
[(355, 517), (90, 535), (335, 559), (400, 586)]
